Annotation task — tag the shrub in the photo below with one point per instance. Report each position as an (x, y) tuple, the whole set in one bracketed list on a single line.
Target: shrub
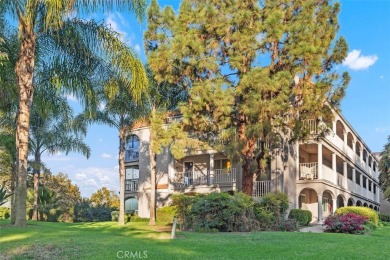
[(371, 214), (302, 216), (5, 213), (183, 205), (384, 217), (84, 212), (165, 215), (346, 223), (114, 215), (289, 225), (271, 209), (136, 218)]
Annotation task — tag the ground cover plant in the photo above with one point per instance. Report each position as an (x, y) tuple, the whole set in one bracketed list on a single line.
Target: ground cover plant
[(107, 240)]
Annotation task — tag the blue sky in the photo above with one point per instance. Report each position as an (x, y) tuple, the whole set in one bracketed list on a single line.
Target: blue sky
[(365, 25)]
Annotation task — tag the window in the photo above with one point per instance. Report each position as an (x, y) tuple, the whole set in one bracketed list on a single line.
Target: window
[(369, 185), (349, 172), (374, 189), (302, 200), (132, 148), (132, 173), (325, 202), (358, 178), (222, 164), (365, 182)]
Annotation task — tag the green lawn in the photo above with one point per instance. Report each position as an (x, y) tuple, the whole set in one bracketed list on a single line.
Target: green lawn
[(106, 240)]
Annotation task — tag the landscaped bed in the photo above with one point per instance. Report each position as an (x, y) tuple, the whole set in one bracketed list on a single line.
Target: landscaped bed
[(106, 240)]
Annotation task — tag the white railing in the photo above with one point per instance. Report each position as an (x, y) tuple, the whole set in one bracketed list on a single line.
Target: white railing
[(261, 188), (329, 175), (196, 178), (310, 125), (224, 175), (308, 170), (131, 185)]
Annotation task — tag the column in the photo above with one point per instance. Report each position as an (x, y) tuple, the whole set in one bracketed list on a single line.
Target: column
[(171, 171), (334, 205), (334, 168), (320, 209), (354, 175), (211, 173), (297, 162), (345, 173), (319, 170)]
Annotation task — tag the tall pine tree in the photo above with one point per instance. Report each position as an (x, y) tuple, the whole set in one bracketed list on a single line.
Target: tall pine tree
[(254, 71)]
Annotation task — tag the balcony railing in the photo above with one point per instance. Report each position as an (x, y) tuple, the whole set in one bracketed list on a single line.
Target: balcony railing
[(261, 188), (308, 171), (131, 185), (224, 176), (131, 155), (221, 176)]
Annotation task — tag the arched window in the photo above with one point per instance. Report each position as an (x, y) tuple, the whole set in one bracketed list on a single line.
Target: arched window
[(340, 129), (350, 140), (132, 148), (358, 148)]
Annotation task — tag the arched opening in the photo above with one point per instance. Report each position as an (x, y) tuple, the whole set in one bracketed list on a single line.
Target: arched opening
[(371, 207), (351, 202), (376, 208), (327, 205), (131, 205), (132, 148), (374, 166), (340, 201), (358, 148), (370, 161), (365, 205), (358, 203), (340, 129), (350, 140), (308, 200)]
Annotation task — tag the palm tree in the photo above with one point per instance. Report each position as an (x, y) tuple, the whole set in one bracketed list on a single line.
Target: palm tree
[(46, 22), (120, 111), (52, 129)]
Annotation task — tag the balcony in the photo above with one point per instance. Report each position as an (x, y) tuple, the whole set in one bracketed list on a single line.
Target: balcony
[(261, 188), (131, 155), (131, 185), (308, 171), (192, 178)]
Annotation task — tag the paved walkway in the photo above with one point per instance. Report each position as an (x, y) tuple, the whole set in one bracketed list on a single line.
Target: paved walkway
[(315, 228)]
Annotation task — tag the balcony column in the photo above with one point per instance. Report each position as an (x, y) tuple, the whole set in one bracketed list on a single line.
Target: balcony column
[(334, 169), (334, 205), (345, 174), (319, 209), (319, 170), (211, 173), (297, 162)]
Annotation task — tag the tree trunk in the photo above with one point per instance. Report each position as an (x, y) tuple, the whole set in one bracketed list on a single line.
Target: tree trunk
[(37, 170), (247, 177), (13, 204), (24, 73), (152, 154), (122, 143)]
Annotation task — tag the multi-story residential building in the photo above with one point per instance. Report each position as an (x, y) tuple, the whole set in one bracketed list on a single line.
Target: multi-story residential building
[(317, 175)]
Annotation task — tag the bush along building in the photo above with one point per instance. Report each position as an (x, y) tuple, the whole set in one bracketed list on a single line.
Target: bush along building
[(320, 174)]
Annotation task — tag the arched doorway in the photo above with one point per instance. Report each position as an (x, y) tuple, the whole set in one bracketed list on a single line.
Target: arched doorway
[(327, 204), (365, 205), (351, 202), (131, 205), (340, 201), (358, 203), (308, 200)]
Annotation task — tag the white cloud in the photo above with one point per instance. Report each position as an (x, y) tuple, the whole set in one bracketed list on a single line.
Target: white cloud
[(102, 105), (81, 176), (115, 25), (106, 156), (137, 48), (356, 61), (91, 182)]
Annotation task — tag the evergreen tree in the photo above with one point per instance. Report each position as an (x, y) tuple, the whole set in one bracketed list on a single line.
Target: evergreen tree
[(254, 71), (384, 169)]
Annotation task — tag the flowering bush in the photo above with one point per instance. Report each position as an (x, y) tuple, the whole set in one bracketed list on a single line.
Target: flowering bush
[(347, 223)]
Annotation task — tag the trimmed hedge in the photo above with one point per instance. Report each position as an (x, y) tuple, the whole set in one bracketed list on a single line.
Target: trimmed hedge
[(384, 217), (165, 215), (362, 211), (302, 216)]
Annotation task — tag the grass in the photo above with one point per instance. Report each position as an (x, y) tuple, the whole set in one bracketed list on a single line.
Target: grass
[(106, 240)]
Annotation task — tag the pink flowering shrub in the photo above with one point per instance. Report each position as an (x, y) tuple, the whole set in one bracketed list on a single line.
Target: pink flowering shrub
[(347, 223)]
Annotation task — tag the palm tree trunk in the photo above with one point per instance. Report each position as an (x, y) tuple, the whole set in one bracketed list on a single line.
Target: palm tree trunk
[(152, 154), (122, 142), (24, 73), (13, 204), (37, 169)]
